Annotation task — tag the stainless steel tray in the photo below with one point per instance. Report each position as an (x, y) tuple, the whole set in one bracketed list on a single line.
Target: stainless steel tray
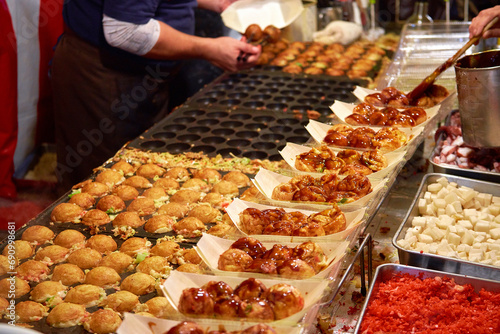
[(387, 271), (455, 170), (438, 262)]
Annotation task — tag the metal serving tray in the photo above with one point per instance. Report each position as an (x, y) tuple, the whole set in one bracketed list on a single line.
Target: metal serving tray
[(387, 271), (455, 170), (438, 262)]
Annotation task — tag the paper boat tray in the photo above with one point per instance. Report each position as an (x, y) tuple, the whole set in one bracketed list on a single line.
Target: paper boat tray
[(133, 324), (353, 220), (266, 181), (291, 150), (311, 291), (210, 248)]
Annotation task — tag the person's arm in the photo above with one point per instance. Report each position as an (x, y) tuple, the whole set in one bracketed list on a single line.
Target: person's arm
[(481, 20), (222, 51), (217, 6)]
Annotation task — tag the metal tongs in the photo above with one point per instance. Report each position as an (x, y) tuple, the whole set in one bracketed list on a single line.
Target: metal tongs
[(422, 87)]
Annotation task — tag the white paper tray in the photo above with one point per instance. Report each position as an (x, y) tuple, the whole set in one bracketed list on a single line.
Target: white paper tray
[(319, 131), (312, 291), (291, 150), (133, 324), (266, 181), (353, 220), (210, 248)]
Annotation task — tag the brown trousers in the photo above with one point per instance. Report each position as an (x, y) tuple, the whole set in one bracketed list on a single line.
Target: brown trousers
[(100, 103)]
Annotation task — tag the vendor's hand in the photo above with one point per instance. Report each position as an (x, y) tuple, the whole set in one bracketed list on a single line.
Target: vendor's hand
[(338, 32), (224, 52), (482, 19)]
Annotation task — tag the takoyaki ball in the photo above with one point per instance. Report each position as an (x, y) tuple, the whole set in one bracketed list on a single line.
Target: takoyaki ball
[(68, 274), (111, 203), (186, 196), (37, 234), (310, 194), (309, 230), (341, 66), (196, 302), (4, 303), (150, 171), (95, 217), (52, 254), (138, 283), (251, 246), (70, 239), (105, 277), (227, 308), (295, 269), (159, 224), (285, 300), (32, 270), (205, 213), (121, 301), (279, 61), (110, 177), (29, 311), (225, 188), (135, 245), (259, 329), (197, 184), (363, 65), (208, 174), (155, 193), (190, 255), (295, 217), (253, 33), (66, 315), (218, 289), (126, 193), (102, 243), (22, 249), (334, 72), (390, 112), (402, 120), (214, 199), (279, 228), (96, 189), (21, 287), (83, 200), (66, 212), (262, 266), (49, 293), (85, 258), (5, 264), (357, 74), (174, 209), (189, 227), (257, 309), (167, 249), (166, 183), (119, 261), (190, 268), (336, 138), (332, 220), (221, 229), (417, 114), (142, 205), (85, 294), (102, 321), (349, 156), (155, 266), (278, 253), (355, 168), (250, 288), (234, 259), (178, 173), (137, 181), (361, 137), (284, 192), (250, 221), (292, 68), (311, 253), (128, 218), (160, 307), (336, 46), (389, 139), (313, 70), (124, 167), (378, 118), (186, 327)]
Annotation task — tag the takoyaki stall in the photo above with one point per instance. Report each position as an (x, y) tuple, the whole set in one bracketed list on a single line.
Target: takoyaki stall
[(264, 203)]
